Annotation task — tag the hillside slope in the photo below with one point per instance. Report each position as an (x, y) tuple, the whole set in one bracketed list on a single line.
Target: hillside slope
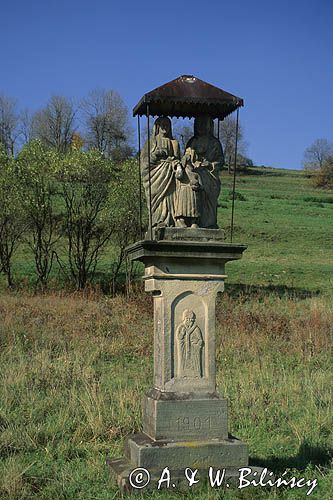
[(288, 227)]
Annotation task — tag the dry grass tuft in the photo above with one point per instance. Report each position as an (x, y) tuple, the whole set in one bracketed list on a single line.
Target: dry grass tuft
[(75, 367)]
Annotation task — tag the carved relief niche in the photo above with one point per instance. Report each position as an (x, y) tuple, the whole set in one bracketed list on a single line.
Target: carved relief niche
[(188, 339), (190, 343)]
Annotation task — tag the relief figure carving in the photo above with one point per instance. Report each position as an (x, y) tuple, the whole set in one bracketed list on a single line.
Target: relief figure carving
[(190, 346)]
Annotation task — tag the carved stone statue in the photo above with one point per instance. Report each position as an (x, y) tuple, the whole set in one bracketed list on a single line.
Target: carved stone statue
[(190, 344), (188, 199), (183, 193), (207, 158), (164, 158)]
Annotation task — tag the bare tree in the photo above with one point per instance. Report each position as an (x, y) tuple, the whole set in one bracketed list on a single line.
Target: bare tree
[(106, 123), (8, 123), (228, 139), (183, 133), (317, 154), (54, 125), (27, 128)]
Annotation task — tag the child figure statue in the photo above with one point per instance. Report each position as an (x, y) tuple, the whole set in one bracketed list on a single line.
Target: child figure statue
[(188, 187)]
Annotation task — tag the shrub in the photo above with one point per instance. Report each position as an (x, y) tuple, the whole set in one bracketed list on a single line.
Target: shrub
[(238, 196), (37, 192), (11, 220), (324, 177)]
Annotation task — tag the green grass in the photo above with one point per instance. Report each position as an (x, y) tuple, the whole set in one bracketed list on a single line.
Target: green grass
[(289, 236), (74, 367), (284, 221)]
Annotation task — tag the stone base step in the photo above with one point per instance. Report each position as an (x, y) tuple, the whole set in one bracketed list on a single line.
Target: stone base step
[(142, 451), (138, 481)]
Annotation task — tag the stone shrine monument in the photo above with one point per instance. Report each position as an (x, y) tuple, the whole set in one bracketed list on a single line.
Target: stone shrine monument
[(185, 419)]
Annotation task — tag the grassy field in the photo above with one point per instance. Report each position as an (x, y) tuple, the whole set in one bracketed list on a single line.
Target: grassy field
[(287, 226), (74, 367), (286, 223)]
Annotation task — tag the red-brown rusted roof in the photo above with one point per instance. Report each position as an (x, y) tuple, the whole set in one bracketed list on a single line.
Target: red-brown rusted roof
[(188, 96)]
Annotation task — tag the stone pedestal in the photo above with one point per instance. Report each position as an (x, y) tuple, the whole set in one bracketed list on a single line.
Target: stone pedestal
[(185, 420)]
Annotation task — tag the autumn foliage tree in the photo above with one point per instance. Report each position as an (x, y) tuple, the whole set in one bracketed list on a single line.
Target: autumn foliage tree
[(323, 177)]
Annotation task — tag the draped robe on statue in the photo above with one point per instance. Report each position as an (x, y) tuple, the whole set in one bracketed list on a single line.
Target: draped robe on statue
[(164, 156), (207, 158)]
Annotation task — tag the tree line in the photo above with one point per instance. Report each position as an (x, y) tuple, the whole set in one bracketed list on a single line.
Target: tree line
[(100, 119), (69, 184), (66, 207)]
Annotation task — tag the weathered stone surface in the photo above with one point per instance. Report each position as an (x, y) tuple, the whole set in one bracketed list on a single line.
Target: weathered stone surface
[(182, 192), (188, 234), (183, 283), (143, 451), (189, 253), (187, 419), (171, 299), (206, 157), (159, 159)]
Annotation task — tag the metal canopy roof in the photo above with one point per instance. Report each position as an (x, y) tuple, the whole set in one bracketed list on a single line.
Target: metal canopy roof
[(188, 96)]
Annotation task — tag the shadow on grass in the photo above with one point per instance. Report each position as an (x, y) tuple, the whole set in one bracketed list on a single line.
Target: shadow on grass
[(104, 283), (307, 455), (244, 291), (240, 291), (241, 170), (262, 171)]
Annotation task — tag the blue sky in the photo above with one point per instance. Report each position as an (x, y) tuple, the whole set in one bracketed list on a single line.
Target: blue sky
[(277, 55)]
